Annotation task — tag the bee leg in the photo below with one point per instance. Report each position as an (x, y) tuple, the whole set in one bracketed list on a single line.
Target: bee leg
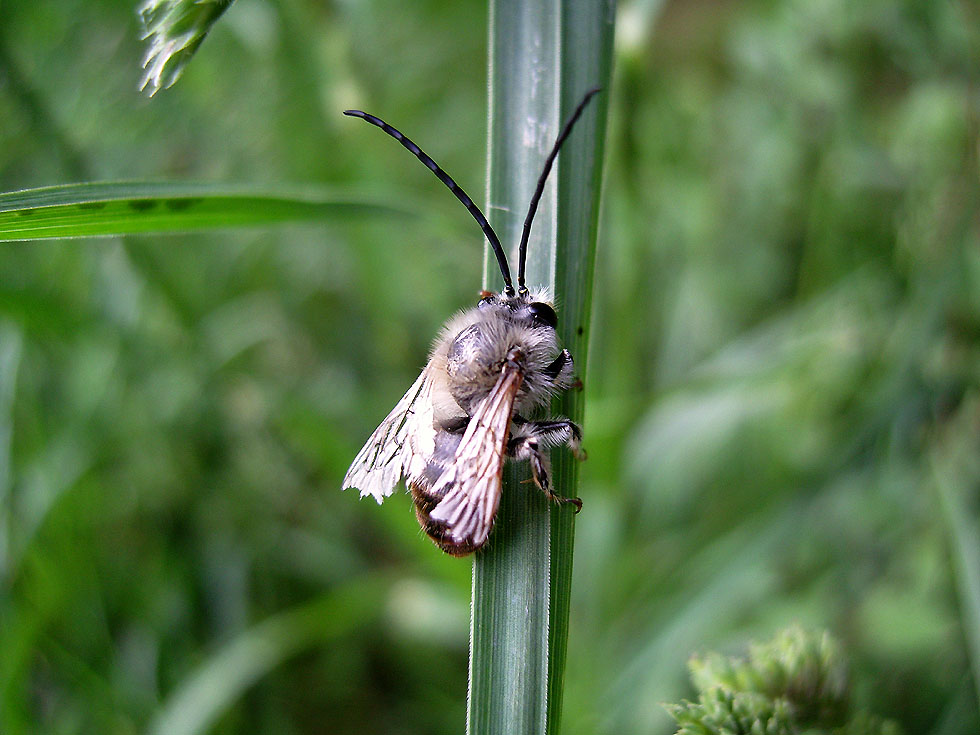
[(551, 433), (530, 446), (559, 372)]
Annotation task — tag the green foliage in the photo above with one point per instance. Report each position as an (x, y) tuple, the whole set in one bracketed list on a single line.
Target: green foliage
[(175, 29), (780, 404), (99, 209), (797, 682)]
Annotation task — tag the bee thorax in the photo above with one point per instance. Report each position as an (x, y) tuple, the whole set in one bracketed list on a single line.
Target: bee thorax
[(473, 362)]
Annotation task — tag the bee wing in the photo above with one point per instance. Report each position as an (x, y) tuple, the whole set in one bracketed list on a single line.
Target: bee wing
[(406, 433), (470, 488)]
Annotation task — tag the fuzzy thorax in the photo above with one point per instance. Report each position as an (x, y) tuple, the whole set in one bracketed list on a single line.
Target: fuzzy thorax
[(470, 351)]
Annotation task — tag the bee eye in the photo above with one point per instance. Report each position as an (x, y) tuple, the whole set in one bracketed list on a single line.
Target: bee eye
[(543, 314)]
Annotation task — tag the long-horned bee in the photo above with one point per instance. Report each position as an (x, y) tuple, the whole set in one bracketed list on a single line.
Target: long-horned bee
[(489, 368)]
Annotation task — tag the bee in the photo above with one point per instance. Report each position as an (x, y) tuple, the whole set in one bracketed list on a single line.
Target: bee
[(490, 368)]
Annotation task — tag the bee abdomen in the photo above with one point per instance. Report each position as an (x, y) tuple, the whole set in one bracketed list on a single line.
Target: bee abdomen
[(425, 501)]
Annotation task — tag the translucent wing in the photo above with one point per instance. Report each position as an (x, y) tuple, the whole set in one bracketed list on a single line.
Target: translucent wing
[(404, 438), (470, 488)]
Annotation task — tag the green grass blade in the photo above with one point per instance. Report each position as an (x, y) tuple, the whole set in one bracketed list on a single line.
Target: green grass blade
[(223, 677), (587, 31), (10, 357), (543, 58), (99, 209), (955, 474)]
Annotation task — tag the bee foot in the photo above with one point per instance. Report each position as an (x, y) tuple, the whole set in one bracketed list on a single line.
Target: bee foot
[(577, 502)]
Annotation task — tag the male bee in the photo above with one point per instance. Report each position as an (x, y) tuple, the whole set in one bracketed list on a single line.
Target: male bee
[(489, 368)]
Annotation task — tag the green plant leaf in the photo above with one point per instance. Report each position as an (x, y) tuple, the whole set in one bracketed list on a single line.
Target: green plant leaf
[(174, 30), (11, 345), (955, 474), (543, 58), (224, 676), (98, 209)]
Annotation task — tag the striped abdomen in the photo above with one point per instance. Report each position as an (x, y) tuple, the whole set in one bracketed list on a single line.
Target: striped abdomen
[(426, 500)]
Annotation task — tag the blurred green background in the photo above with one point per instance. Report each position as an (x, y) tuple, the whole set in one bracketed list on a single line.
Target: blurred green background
[(782, 406)]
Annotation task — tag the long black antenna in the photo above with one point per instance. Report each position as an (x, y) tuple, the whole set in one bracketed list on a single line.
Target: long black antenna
[(453, 187), (522, 250)]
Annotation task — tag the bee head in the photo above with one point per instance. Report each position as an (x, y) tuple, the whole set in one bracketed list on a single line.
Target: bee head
[(530, 309)]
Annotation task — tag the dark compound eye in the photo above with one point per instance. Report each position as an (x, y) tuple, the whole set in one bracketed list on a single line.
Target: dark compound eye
[(543, 314)]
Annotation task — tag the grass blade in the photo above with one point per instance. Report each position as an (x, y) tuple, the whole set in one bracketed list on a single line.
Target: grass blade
[(955, 472), (97, 209), (543, 58), (10, 356), (223, 677)]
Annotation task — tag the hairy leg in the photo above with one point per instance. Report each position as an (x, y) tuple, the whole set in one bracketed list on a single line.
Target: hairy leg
[(559, 372), (532, 439)]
